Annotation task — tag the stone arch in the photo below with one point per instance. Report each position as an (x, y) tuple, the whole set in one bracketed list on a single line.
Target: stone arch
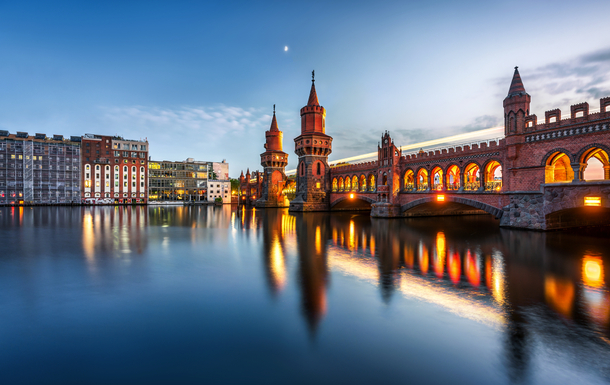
[(453, 177), (470, 171), (409, 179), (557, 166), (496, 212), (554, 151), (363, 186), (489, 170), (596, 151), (437, 175), (371, 182), (421, 178), (356, 196)]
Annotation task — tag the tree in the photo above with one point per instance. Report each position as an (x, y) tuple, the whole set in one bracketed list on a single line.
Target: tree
[(213, 175), (234, 186)]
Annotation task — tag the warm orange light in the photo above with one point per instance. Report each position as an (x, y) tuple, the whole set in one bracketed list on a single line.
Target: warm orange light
[(351, 196), (440, 198), (593, 201), (592, 271)]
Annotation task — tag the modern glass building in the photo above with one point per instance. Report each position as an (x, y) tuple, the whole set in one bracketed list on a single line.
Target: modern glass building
[(178, 181), (39, 170)]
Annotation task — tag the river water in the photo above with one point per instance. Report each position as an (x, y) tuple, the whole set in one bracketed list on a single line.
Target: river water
[(185, 295)]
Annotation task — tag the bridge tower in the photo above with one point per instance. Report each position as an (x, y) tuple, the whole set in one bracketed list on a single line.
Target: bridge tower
[(388, 180), (313, 147), (274, 162)]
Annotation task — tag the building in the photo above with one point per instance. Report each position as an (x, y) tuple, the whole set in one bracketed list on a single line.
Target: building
[(250, 186), (114, 168), (39, 170), (274, 161), (313, 147), (219, 189), (188, 180)]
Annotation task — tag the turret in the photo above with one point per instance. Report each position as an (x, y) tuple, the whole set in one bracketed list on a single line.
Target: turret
[(516, 106)]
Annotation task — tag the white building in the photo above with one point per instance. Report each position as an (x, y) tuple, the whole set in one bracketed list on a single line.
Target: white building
[(219, 188)]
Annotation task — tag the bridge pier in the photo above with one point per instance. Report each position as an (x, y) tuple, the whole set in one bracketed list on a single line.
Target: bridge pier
[(385, 210)]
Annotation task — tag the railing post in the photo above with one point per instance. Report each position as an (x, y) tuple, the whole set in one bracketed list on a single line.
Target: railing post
[(578, 169)]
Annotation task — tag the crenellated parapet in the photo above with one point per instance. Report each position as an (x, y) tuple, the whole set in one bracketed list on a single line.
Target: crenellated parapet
[(579, 114)]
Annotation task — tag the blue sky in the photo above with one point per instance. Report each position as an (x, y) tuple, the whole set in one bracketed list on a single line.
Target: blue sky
[(199, 79)]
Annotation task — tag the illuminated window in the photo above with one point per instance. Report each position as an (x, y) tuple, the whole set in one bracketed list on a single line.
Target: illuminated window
[(593, 201)]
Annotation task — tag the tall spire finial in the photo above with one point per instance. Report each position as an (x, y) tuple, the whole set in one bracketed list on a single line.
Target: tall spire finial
[(274, 109), (313, 75), (516, 67)]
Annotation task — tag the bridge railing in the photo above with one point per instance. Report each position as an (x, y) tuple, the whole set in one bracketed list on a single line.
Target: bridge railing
[(495, 185), (422, 186), (472, 186)]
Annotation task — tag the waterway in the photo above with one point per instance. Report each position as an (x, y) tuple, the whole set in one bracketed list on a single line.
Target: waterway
[(215, 295)]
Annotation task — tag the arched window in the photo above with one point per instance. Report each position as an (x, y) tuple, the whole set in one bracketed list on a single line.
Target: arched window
[(596, 164), (437, 179), (318, 169), (341, 186), (372, 185), (472, 177), (453, 178), (335, 186), (348, 183), (362, 183), (384, 180), (409, 180), (493, 176), (302, 168), (422, 179), (558, 169), (355, 186)]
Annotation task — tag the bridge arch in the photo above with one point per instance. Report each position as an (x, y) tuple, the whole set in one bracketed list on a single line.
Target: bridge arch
[(408, 177), (545, 159), (453, 177), (472, 176), (490, 168), (599, 154), (357, 196), (496, 212), (363, 186), (422, 179)]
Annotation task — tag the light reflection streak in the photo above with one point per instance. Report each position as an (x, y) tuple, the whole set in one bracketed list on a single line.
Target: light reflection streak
[(559, 294), (472, 269), (412, 286), (423, 258), (277, 265), (595, 297), (439, 255)]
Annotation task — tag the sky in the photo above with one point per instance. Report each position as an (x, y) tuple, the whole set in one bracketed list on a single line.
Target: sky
[(199, 79)]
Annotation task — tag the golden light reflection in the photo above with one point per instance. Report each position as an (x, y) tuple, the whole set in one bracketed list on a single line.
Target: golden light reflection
[(409, 256), (593, 271), (412, 286), (439, 256), (277, 265), (454, 267), (498, 279), (559, 294), (473, 272), (423, 258), (318, 240), (351, 245), (88, 237)]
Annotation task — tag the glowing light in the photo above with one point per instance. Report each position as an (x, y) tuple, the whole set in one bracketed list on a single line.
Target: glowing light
[(276, 264), (318, 240), (559, 293), (454, 267), (351, 196), (440, 198), (592, 271), (472, 269), (423, 258), (593, 201), (439, 260)]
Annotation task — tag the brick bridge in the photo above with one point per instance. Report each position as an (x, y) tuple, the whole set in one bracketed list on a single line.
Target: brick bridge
[(548, 175)]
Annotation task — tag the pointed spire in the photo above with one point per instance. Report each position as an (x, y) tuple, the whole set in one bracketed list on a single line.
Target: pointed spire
[(274, 122), (313, 96), (242, 173), (248, 171), (516, 86)]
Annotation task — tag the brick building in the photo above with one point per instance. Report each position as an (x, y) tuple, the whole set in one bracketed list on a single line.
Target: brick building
[(114, 168)]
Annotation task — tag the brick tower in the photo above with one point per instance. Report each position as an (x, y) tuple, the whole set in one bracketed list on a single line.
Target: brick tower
[(516, 106), (313, 147), (274, 161)]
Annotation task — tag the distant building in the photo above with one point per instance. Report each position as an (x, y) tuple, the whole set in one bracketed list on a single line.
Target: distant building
[(39, 170), (187, 180), (219, 189), (115, 168)]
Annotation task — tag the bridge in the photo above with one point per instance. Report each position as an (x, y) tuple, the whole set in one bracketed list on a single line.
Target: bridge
[(540, 174)]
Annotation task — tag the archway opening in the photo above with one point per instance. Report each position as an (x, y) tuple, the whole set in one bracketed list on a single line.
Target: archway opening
[(493, 176), (371, 182), (472, 177), (348, 183), (437, 179), (384, 179), (355, 186), (341, 185), (409, 180), (335, 185), (352, 204), (453, 178), (363, 183), (578, 217), (596, 164), (422, 179), (558, 169)]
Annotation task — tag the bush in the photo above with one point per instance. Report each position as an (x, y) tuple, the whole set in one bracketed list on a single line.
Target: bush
[(218, 200)]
